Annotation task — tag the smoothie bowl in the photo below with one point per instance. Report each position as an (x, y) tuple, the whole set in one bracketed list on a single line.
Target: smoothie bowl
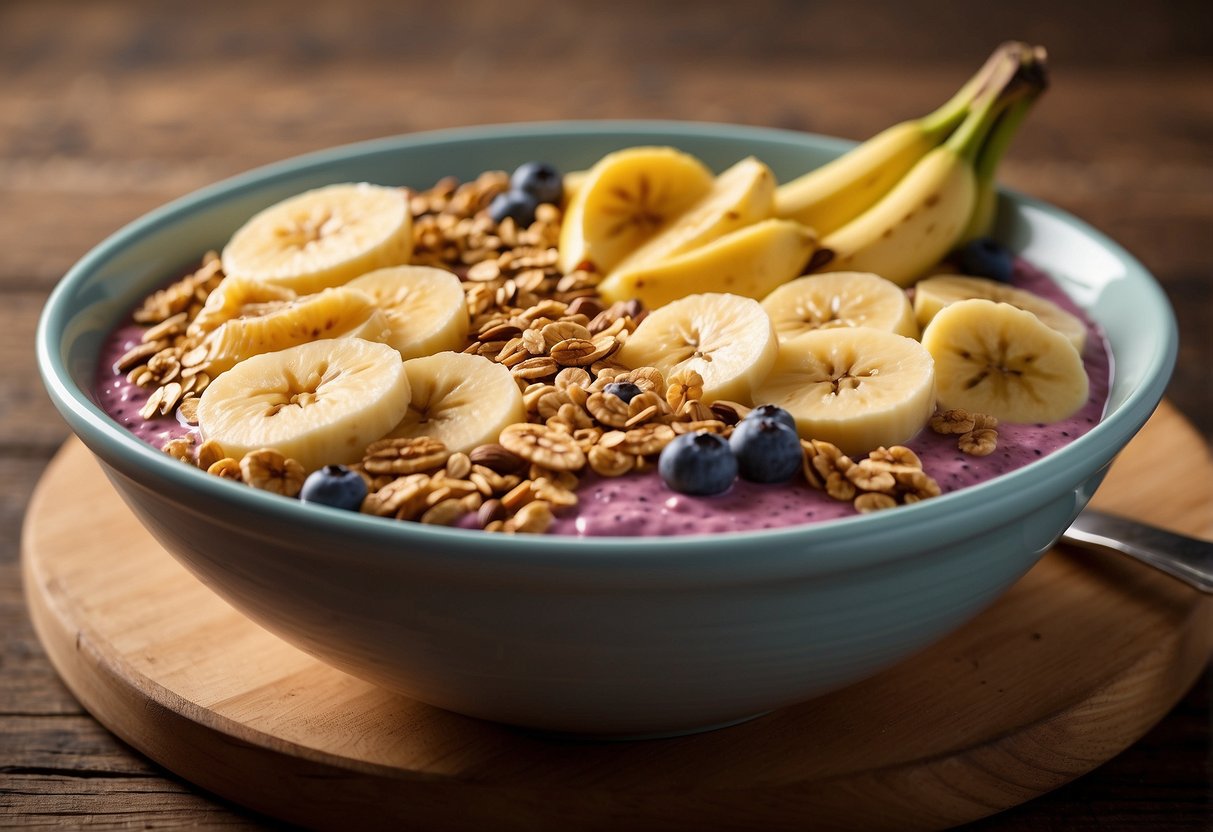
[(611, 631)]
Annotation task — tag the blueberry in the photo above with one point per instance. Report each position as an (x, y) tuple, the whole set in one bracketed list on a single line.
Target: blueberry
[(766, 449), (770, 411), (623, 390), (336, 486), (698, 463), (517, 204), (540, 180), (985, 258)]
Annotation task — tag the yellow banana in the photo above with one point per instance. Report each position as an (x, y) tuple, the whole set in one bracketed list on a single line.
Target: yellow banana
[(922, 218), (836, 193)]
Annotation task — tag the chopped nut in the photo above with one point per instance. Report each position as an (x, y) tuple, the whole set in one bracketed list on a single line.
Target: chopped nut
[(555, 333), (572, 377), (978, 442), (533, 518), (570, 418), (181, 449), (269, 470), (577, 352), (444, 513), (518, 496), (458, 466), (497, 459), (682, 387), (549, 403), (694, 410), (555, 493), (710, 425), (226, 468), (538, 367), (872, 501), (209, 452), (647, 439), (609, 462), (608, 409), (952, 421), (646, 378), (541, 444), (587, 438), (402, 498), (729, 412), (533, 342), (490, 510), (983, 421), (867, 476), (405, 455), (896, 455)]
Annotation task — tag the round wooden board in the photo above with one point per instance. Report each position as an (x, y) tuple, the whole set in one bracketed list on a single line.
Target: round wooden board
[(1074, 664)]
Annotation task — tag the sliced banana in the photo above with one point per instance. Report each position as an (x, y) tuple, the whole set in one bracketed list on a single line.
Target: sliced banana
[(998, 359), (237, 297), (857, 387), (741, 196), (840, 299), (727, 339), (281, 324), (749, 262), (319, 403), (324, 237), (934, 293), (425, 308), (461, 400), (623, 200)]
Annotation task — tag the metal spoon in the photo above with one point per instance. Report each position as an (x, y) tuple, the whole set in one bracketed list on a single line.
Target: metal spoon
[(1186, 558)]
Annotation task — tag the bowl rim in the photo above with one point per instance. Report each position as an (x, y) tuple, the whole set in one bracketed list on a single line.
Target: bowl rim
[(473, 546)]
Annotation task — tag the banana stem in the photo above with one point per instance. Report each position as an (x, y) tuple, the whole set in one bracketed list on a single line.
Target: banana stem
[(1000, 136), (1010, 85), (944, 120)]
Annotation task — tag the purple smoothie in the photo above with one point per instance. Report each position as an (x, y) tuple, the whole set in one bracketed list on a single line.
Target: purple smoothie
[(641, 504)]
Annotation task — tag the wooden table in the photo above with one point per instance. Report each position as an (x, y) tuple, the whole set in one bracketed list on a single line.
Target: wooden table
[(109, 109)]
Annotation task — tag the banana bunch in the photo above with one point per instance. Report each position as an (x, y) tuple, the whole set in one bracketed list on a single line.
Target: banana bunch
[(660, 226), (898, 203)]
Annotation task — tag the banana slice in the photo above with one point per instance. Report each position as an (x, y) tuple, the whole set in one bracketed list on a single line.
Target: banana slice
[(749, 262), (320, 403), (425, 308), (623, 200), (282, 324), (461, 400), (995, 358), (741, 196), (840, 299), (934, 293), (857, 387), (322, 238), (727, 339), (237, 297)]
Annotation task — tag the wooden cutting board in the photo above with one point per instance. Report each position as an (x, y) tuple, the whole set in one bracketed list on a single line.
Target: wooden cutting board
[(1075, 663)]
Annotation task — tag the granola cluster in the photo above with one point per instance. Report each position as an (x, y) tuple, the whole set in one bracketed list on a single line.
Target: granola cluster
[(558, 341)]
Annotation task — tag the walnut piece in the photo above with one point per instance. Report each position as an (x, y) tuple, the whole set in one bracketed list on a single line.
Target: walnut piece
[(269, 470)]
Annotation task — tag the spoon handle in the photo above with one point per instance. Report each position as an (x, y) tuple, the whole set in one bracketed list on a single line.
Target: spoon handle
[(1186, 558)]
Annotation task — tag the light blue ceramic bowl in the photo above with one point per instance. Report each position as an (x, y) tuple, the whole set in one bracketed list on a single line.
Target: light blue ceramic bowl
[(601, 637)]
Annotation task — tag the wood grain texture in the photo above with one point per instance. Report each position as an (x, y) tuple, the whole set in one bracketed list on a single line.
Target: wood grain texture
[(1074, 664), (108, 109)]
